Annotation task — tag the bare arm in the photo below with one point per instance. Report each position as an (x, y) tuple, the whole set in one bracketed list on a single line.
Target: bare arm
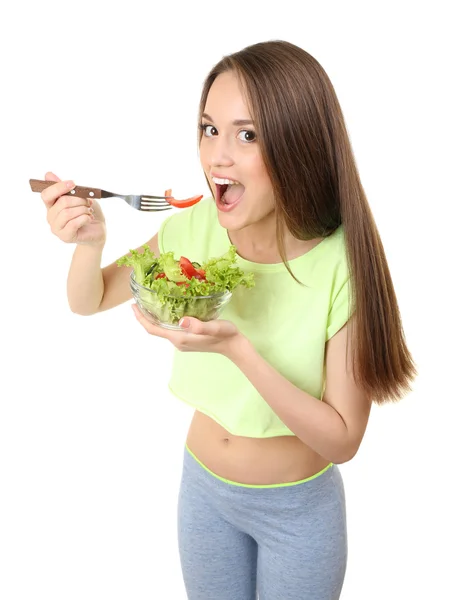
[(333, 427), (91, 289)]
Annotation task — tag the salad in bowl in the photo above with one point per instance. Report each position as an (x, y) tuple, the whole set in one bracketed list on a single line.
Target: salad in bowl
[(167, 289)]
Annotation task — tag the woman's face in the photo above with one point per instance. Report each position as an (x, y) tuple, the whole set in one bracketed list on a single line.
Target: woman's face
[(230, 152)]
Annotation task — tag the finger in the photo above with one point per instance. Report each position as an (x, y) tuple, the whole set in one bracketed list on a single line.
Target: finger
[(49, 176), (189, 323), (198, 327), (67, 215), (150, 327), (55, 191), (66, 202), (69, 233)]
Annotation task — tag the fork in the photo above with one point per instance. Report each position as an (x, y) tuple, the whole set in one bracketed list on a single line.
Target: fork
[(142, 202)]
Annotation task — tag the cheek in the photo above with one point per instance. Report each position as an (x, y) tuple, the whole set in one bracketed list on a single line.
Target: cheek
[(203, 157), (257, 171), (260, 181)]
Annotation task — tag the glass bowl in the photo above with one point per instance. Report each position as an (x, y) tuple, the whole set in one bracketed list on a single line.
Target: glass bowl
[(169, 312)]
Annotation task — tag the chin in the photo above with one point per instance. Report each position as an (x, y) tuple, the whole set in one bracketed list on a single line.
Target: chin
[(231, 222), (235, 220)]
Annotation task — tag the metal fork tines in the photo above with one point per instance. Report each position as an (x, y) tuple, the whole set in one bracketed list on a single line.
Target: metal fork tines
[(145, 203)]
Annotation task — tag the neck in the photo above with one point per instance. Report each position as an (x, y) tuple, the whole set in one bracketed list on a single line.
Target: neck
[(258, 243)]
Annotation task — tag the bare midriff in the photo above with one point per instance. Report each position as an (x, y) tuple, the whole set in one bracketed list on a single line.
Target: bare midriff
[(253, 461)]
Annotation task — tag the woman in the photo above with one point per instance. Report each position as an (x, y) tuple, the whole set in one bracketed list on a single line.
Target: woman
[(283, 383)]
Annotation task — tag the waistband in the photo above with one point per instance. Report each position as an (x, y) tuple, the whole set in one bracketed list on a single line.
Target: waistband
[(265, 486)]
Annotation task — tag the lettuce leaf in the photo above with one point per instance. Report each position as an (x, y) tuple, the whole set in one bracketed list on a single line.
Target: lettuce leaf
[(142, 262)]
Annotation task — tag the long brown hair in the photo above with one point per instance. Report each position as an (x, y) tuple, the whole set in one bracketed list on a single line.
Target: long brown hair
[(308, 155)]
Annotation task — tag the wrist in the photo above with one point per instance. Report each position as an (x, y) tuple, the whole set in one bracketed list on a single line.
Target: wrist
[(93, 247), (239, 347)]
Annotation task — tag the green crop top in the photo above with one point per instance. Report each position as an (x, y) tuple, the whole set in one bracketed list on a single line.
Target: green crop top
[(286, 322)]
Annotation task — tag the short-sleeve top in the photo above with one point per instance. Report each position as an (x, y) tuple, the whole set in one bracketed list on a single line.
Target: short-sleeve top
[(288, 323)]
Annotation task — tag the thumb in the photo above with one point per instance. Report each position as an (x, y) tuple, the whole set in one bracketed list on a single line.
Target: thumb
[(49, 176), (216, 327), (191, 324)]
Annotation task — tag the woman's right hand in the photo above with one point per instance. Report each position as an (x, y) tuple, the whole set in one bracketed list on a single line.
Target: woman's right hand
[(73, 219)]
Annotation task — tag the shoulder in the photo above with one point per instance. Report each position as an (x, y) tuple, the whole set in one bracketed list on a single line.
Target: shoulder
[(337, 265), (336, 245), (339, 284), (338, 251), (336, 259), (326, 264)]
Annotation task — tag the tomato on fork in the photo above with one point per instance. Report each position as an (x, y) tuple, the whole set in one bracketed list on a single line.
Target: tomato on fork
[(182, 203)]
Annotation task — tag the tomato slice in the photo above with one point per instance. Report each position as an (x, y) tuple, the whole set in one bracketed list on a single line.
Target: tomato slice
[(182, 203), (185, 203), (200, 274), (187, 268), (190, 271), (160, 276)]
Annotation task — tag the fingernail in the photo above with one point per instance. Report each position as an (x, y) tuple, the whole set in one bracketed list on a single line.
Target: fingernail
[(70, 184), (185, 323)]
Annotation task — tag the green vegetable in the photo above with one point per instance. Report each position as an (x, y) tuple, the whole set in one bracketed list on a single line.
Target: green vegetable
[(174, 295), (142, 262), (168, 265)]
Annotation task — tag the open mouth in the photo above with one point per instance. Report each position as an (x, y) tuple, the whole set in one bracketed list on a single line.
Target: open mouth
[(229, 194), (221, 191)]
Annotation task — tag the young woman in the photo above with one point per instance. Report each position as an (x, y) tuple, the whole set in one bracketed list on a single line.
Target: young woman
[(288, 374)]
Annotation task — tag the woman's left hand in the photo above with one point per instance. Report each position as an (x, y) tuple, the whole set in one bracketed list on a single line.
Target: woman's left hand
[(218, 335)]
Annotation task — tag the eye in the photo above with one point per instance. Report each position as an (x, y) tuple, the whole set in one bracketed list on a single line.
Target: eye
[(247, 135), (208, 130)]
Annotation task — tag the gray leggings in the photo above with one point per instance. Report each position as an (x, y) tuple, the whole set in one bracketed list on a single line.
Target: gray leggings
[(284, 542)]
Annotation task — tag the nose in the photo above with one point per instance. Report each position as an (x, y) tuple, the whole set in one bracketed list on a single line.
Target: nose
[(221, 154)]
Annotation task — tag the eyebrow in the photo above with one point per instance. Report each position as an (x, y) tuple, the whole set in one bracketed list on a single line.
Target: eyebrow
[(237, 122)]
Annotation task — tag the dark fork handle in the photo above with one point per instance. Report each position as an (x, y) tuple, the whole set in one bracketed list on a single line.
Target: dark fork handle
[(38, 185)]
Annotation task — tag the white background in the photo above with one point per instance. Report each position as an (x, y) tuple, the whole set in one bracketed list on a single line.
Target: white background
[(91, 441)]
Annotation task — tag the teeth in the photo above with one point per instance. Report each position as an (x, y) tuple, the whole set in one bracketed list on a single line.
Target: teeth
[(219, 181)]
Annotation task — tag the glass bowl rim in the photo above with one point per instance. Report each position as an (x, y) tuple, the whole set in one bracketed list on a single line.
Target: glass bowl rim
[(225, 294)]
